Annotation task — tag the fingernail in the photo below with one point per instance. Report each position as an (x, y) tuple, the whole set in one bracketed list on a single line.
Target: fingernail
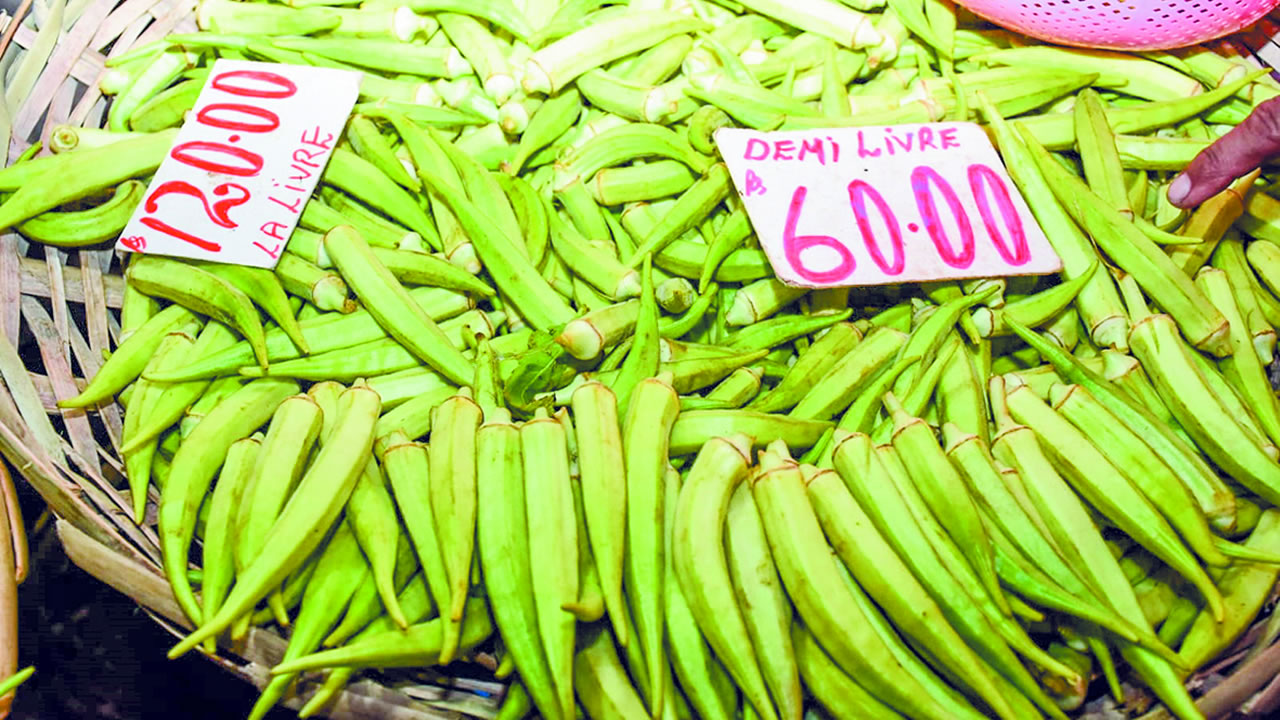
[(1179, 189)]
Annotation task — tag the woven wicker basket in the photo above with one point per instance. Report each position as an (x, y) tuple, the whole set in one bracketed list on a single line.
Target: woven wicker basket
[(59, 314)]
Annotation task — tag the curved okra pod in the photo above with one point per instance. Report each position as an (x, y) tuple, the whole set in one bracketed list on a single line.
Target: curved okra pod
[(391, 305), (293, 430), (1033, 310), (892, 584), (217, 560), (598, 267), (634, 101), (353, 174), (553, 118), (193, 468), (600, 454), (731, 236), (266, 290), (812, 365), (79, 228), (415, 646), (130, 357), (556, 65), (319, 499), (1114, 496), (703, 125), (503, 544), (626, 143), (825, 600), (202, 292), (509, 267), (553, 540), (701, 566), (369, 143), (847, 376), (45, 183), (1166, 283), (692, 207), (646, 432), (452, 454), (1141, 465), (1099, 300)]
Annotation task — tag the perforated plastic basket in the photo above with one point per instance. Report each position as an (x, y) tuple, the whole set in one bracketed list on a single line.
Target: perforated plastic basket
[(1123, 24)]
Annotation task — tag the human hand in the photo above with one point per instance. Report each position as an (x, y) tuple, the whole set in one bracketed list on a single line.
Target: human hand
[(1244, 149)]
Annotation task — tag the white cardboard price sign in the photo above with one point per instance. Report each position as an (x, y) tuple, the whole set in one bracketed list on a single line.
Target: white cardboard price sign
[(244, 163), (880, 205)]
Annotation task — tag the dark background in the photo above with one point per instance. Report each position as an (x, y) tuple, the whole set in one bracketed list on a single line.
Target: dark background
[(97, 656)]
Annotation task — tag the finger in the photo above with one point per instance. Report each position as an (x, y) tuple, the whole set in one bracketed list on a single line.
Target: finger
[(1245, 148)]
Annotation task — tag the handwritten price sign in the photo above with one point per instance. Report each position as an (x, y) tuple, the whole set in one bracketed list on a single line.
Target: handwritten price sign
[(881, 205), (244, 164)]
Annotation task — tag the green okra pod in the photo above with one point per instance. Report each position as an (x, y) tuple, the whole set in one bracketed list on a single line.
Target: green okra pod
[(390, 304), (45, 183), (559, 63), (353, 174)]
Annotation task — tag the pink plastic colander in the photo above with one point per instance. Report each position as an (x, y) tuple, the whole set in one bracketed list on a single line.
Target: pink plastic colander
[(1123, 24)]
